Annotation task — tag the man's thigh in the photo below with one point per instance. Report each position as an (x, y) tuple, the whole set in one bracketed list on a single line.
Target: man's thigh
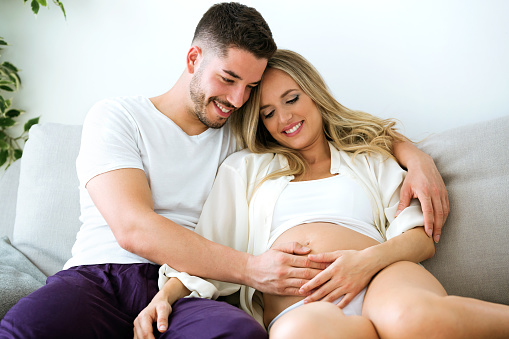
[(196, 318), (97, 301)]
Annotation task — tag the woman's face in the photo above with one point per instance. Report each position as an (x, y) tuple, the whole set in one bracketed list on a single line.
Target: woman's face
[(290, 116)]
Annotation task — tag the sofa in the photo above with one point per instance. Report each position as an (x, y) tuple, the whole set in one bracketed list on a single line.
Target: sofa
[(39, 210)]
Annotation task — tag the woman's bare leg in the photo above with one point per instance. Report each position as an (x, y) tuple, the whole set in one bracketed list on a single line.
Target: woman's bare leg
[(406, 301), (322, 320)]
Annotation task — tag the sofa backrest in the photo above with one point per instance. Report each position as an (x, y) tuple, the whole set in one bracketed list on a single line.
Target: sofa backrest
[(47, 209), (473, 254)]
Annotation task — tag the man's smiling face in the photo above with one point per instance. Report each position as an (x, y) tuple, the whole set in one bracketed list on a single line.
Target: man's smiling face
[(221, 85)]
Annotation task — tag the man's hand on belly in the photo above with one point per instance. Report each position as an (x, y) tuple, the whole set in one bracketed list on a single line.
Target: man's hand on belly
[(283, 269)]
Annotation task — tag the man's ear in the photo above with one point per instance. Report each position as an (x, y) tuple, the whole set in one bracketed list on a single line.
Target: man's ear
[(194, 55)]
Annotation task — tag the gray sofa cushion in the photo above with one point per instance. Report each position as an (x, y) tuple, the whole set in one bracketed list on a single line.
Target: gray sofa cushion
[(9, 193), (472, 257), (47, 212), (18, 276)]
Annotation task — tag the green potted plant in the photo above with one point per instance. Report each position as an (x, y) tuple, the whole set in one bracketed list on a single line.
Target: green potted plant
[(11, 146)]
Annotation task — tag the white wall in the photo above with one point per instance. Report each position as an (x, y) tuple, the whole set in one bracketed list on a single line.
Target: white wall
[(432, 64)]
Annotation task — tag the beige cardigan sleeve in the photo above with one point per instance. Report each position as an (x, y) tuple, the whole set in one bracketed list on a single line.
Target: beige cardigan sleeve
[(389, 176), (224, 220)]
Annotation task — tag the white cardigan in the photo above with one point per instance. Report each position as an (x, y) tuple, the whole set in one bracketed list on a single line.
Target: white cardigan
[(238, 214)]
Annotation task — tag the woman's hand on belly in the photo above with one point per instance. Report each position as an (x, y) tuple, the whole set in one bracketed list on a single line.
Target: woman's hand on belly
[(349, 271)]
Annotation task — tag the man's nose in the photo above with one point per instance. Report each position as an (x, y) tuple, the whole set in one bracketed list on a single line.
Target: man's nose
[(237, 96)]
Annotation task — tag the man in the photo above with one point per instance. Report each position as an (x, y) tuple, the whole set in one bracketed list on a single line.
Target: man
[(145, 168)]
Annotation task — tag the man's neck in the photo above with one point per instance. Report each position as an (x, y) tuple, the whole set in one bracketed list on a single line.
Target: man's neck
[(175, 105)]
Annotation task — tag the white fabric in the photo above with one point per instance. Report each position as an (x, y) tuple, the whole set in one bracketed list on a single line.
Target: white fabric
[(199, 288), (130, 132), (334, 199), (339, 196), (354, 307), (238, 214)]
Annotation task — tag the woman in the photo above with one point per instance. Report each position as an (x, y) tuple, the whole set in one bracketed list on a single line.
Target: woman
[(321, 175)]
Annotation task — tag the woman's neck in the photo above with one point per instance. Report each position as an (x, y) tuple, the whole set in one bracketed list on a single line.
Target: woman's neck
[(316, 153), (318, 162)]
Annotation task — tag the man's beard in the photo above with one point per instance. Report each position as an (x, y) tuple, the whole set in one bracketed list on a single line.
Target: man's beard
[(200, 103)]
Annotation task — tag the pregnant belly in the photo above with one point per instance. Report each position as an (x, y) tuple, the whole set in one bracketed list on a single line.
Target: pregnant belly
[(319, 237)]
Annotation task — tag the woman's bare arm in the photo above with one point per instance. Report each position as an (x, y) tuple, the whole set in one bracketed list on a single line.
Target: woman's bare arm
[(159, 309), (350, 270)]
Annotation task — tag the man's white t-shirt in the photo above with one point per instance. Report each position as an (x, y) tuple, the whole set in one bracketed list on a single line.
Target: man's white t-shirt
[(129, 132)]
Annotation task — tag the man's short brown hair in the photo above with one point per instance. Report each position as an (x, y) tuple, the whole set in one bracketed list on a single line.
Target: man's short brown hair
[(230, 24)]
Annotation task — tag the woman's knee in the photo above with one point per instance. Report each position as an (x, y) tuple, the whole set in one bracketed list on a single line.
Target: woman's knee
[(415, 317)]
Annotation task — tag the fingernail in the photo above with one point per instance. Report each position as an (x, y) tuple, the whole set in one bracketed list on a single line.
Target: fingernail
[(162, 328), (306, 301), (306, 248), (429, 233), (437, 238)]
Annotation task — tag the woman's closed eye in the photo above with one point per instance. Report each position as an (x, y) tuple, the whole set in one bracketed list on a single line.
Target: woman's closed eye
[(268, 115), (293, 100)]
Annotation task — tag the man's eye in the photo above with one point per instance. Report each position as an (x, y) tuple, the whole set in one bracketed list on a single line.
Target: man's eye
[(227, 80)]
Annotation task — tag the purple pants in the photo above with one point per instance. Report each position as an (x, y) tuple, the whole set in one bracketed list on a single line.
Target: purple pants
[(102, 301)]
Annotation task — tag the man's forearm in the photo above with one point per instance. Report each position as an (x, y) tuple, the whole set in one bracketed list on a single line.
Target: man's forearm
[(164, 242)]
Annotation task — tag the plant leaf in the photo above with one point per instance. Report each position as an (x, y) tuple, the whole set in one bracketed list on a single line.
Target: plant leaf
[(6, 88), (30, 123), (7, 122), (43, 3), (3, 157), (3, 105), (13, 113), (17, 154), (4, 145), (15, 79), (61, 5), (35, 6), (10, 66)]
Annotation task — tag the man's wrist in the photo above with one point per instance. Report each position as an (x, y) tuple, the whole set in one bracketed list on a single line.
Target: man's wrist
[(247, 270)]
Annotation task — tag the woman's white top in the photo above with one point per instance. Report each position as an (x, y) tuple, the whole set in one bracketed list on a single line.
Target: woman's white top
[(238, 213), (338, 199)]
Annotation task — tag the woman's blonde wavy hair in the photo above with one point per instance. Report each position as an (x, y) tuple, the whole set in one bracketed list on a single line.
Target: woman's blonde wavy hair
[(348, 130)]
